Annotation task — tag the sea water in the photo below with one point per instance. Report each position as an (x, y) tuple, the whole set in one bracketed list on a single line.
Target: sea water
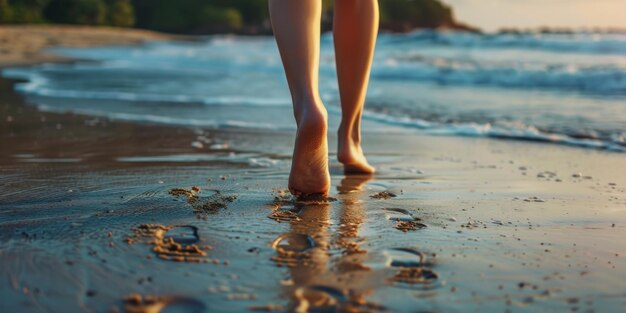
[(558, 88)]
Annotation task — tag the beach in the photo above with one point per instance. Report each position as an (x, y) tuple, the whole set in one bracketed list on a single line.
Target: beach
[(103, 212)]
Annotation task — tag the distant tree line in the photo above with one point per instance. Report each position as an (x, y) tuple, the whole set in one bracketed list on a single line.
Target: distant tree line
[(207, 16), (83, 12)]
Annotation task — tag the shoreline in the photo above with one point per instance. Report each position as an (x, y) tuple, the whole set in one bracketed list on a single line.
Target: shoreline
[(593, 135)]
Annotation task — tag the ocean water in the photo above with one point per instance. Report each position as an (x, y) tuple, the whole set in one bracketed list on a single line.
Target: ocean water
[(559, 88)]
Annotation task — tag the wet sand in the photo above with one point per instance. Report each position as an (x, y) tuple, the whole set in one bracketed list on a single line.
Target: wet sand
[(107, 216), (475, 224)]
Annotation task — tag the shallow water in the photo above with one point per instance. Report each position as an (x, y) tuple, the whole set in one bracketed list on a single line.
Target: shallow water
[(568, 89)]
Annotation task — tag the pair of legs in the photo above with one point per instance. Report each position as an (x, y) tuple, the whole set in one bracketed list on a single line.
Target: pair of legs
[(296, 25)]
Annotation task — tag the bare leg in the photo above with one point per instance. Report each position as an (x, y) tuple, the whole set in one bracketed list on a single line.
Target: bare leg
[(296, 25), (355, 29)]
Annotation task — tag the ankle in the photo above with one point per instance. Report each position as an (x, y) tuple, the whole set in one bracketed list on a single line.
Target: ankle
[(312, 114), (347, 134)]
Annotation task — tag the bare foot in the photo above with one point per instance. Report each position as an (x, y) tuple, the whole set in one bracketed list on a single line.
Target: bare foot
[(350, 152), (309, 168)]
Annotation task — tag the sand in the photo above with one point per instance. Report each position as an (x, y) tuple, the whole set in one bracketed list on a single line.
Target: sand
[(25, 44), (484, 225)]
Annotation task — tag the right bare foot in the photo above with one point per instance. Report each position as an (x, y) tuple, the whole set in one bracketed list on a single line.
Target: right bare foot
[(350, 152), (309, 167)]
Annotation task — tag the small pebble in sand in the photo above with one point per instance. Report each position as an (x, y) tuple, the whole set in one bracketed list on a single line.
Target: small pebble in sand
[(577, 175), (197, 145)]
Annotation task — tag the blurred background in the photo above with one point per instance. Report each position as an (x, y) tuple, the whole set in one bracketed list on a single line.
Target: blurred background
[(551, 71), (203, 17), (251, 16)]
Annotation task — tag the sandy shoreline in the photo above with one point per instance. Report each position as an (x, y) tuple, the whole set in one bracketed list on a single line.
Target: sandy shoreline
[(24, 44), (475, 224)]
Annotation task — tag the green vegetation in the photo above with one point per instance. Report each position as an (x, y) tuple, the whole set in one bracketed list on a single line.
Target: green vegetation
[(207, 16), (83, 12), (200, 16), (24, 10), (402, 15)]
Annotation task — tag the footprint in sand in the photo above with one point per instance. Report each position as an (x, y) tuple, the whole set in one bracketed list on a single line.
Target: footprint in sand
[(293, 249), (384, 195), (183, 234), (175, 243), (405, 257), (405, 221), (204, 205), (285, 213), (413, 269)]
